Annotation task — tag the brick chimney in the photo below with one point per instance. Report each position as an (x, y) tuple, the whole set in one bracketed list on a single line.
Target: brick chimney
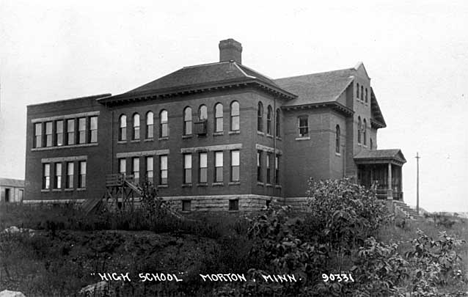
[(230, 50)]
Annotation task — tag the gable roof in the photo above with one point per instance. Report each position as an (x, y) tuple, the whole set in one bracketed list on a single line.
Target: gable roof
[(318, 87), (200, 78), (380, 156), (9, 182)]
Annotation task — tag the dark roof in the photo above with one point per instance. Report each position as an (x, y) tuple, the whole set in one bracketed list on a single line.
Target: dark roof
[(200, 77), (377, 119), (9, 182), (380, 156), (319, 87)]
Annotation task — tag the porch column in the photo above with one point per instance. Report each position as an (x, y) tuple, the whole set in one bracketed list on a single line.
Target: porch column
[(389, 187)]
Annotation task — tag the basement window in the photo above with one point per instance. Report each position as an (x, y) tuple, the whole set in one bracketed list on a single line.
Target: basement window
[(234, 204)]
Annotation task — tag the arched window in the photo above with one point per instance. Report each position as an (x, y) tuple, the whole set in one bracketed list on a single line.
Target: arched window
[(367, 96), (359, 128), (202, 113), (362, 93), (136, 126), (260, 117), (163, 124), (188, 121), (357, 91), (123, 127), (269, 117), (364, 132), (371, 144), (337, 141), (149, 125), (219, 117), (235, 116), (278, 122)]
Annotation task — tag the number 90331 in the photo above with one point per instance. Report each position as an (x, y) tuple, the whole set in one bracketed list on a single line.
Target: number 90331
[(338, 277)]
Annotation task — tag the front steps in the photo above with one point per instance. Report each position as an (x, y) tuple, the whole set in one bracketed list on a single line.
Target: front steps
[(401, 208)]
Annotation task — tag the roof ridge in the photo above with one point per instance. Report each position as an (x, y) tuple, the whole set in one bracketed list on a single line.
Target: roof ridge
[(317, 73), (203, 65), (243, 72)]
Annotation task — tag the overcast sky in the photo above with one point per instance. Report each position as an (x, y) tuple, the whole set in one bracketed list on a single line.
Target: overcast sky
[(416, 53)]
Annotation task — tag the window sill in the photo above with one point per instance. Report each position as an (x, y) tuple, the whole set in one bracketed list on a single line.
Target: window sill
[(56, 190), (46, 148), (269, 185), (221, 133), (81, 189), (234, 132), (45, 190), (135, 140), (202, 185), (186, 136), (69, 190), (303, 138), (260, 184), (149, 139), (278, 186), (163, 186), (218, 184), (279, 138), (121, 142), (163, 138), (186, 185), (237, 183), (260, 133), (338, 154), (270, 136)]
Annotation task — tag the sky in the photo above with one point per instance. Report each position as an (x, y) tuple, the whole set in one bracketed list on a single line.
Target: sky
[(416, 53)]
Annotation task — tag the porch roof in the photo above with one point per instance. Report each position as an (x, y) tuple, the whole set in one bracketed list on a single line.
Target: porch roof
[(394, 156)]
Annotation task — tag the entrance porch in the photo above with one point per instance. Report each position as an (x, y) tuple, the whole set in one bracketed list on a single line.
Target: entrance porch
[(383, 167)]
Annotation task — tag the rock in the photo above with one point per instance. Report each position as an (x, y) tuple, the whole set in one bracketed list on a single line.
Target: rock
[(14, 229), (7, 293), (97, 289)]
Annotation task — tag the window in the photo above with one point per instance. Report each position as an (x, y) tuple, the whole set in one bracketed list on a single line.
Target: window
[(357, 91), (38, 135), (163, 170), (202, 113), (188, 121), (303, 126), (82, 175), (269, 118), (71, 132), (371, 144), (136, 169), (93, 126), (136, 127), (218, 167), (123, 166), (359, 128), (366, 96), (59, 133), (48, 127), (81, 130), (58, 176), (149, 169), (203, 174), (163, 124), (234, 204), (46, 176), (70, 175), (259, 166), (186, 205), (235, 116), (277, 177), (149, 125), (364, 132), (123, 128), (337, 139), (219, 118), (235, 166), (260, 117), (362, 93), (187, 168), (278, 123), (268, 168)]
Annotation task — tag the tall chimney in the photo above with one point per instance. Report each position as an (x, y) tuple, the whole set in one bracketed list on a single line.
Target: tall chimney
[(230, 50)]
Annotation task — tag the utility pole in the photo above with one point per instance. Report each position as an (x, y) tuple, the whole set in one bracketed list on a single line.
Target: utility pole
[(417, 182)]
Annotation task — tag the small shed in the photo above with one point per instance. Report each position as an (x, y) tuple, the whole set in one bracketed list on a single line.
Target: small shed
[(11, 190)]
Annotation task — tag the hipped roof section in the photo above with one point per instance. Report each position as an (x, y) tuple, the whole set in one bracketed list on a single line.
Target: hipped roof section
[(199, 78), (380, 156)]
